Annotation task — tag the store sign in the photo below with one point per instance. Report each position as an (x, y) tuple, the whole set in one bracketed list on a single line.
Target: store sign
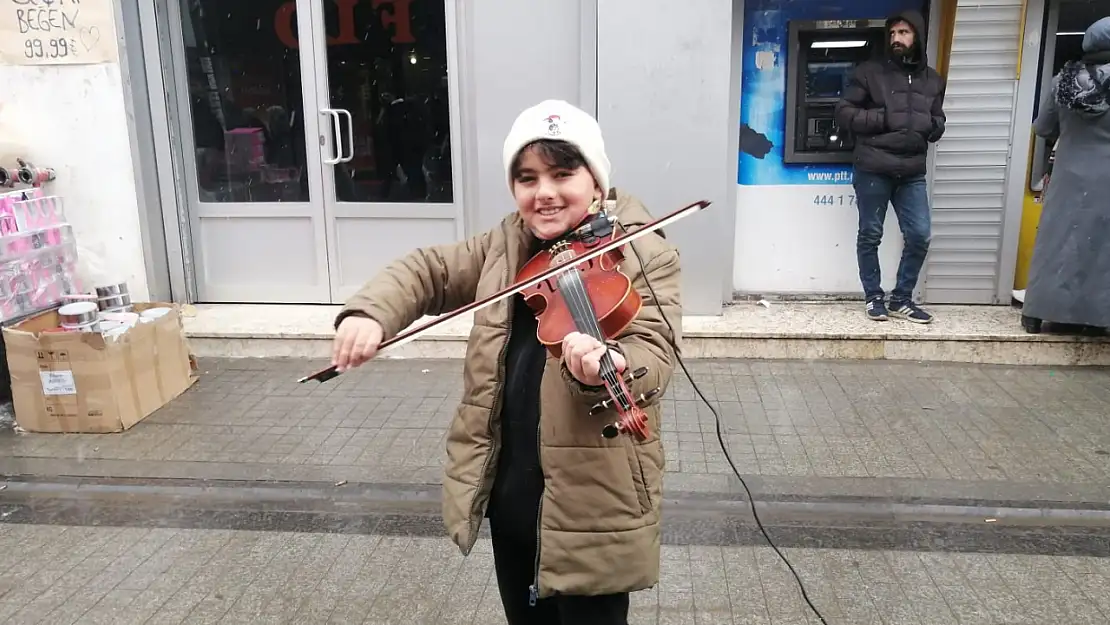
[(395, 14), (57, 32)]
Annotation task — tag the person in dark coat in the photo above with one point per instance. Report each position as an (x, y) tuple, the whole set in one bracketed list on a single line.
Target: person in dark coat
[(1069, 274), (894, 107)]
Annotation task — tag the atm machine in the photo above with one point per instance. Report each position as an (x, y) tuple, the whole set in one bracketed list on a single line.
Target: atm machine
[(821, 57)]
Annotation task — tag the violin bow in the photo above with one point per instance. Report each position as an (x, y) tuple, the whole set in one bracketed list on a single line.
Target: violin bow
[(404, 337)]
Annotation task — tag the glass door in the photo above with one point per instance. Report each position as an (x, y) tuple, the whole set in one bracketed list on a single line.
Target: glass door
[(385, 112), (247, 104)]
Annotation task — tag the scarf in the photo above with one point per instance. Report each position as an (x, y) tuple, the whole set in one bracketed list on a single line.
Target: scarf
[(1084, 88)]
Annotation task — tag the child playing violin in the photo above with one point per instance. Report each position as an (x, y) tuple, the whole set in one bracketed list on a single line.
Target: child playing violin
[(574, 517)]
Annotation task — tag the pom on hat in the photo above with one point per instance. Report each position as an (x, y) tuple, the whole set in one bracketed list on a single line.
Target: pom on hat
[(561, 121)]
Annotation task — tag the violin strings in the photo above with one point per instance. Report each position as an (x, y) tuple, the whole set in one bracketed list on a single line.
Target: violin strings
[(579, 302)]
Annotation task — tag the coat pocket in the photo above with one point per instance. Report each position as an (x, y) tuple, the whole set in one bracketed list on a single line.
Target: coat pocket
[(636, 468)]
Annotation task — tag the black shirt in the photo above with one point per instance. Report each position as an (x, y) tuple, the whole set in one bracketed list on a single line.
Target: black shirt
[(518, 485)]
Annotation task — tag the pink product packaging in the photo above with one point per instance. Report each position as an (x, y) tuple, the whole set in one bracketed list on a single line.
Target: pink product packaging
[(245, 149), (20, 243), (38, 281), (15, 300), (12, 307), (10, 214), (7, 212), (39, 214)]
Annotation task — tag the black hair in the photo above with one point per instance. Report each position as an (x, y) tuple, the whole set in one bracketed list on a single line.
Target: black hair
[(554, 153)]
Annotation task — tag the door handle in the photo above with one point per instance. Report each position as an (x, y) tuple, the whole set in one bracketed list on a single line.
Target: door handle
[(338, 158), (350, 135)]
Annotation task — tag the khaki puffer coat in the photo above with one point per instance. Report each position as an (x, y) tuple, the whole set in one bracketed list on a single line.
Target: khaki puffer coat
[(599, 515)]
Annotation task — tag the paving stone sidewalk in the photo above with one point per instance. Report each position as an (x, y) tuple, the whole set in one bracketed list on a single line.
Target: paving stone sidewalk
[(249, 419), (71, 575)]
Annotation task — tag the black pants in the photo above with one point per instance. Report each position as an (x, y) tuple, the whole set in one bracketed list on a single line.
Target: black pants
[(514, 557)]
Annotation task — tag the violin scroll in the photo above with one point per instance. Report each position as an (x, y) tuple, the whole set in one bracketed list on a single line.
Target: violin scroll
[(633, 422)]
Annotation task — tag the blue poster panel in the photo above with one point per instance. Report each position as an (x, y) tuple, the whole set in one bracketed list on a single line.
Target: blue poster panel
[(763, 86)]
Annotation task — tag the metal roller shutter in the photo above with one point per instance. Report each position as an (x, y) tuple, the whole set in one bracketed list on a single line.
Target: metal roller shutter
[(969, 171)]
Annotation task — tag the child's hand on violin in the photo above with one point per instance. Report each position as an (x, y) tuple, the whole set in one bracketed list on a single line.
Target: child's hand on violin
[(356, 341), (582, 354)]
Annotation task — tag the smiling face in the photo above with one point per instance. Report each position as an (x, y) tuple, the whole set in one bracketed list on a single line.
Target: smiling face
[(553, 187)]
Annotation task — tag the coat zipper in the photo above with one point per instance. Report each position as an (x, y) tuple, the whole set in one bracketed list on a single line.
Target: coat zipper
[(496, 403), (534, 589)]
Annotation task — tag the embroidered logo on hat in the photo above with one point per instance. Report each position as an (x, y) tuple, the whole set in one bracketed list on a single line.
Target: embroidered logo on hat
[(553, 122), (561, 121)]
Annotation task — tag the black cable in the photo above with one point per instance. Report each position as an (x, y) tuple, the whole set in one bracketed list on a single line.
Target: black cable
[(721, 438)]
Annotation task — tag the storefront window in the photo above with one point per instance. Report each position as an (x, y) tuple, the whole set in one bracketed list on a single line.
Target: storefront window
[(245, 101), (387, 67)]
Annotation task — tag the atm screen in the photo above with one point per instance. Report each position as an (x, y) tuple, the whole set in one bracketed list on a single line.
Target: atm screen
[(826, 81)]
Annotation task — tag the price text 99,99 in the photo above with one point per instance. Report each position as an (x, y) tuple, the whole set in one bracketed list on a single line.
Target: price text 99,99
[(55, 48)]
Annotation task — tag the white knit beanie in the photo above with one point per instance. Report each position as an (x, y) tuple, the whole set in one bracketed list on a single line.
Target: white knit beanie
[(559, 120)]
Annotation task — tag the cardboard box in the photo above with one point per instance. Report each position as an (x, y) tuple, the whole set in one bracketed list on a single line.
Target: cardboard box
[(83, 382)]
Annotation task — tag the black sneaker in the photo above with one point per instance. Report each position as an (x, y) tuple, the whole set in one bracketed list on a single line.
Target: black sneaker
[(910, 312), (876, 309)]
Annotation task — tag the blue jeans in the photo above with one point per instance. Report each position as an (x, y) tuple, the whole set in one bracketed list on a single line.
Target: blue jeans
[(910, 198)]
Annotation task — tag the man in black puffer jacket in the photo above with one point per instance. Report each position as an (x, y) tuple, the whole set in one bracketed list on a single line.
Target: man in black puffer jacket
[(894, 107)]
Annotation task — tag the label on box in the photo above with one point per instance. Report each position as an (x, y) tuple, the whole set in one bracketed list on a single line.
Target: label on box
[(56, 383)]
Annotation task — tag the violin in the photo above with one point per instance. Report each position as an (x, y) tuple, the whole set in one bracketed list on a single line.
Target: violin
[(595, 298), (577, 286), (566, 287)]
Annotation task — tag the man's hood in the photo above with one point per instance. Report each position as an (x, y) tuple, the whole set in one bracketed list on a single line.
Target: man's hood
[(1096, 42), (1097, 37), (920, 34)]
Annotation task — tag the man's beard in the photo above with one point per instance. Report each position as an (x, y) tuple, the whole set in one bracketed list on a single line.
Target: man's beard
[(899, 50)]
